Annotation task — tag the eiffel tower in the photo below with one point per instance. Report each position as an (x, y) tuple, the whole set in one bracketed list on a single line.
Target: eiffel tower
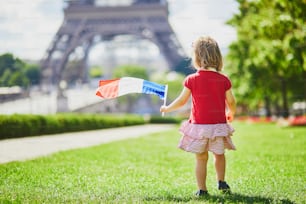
[(84, 20)]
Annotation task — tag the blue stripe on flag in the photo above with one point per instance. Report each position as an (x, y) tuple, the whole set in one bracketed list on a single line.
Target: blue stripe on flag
[(149, 87)]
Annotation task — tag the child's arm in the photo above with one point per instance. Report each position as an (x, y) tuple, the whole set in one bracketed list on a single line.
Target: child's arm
[(231, 104), (178, 102)]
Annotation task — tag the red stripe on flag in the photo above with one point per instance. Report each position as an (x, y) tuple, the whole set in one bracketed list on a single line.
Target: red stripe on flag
[(108, 88)]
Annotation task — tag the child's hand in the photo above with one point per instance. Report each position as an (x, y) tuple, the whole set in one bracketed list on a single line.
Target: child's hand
[(229, 116), (163, 109)]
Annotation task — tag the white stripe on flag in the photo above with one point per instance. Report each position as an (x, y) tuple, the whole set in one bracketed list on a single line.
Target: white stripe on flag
[(129, 85)]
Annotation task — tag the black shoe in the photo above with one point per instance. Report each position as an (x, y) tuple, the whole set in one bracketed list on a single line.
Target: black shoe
[(224, 187), (201, 193)]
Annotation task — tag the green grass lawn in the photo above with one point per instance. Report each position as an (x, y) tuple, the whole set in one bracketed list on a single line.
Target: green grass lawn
[(268, 167)]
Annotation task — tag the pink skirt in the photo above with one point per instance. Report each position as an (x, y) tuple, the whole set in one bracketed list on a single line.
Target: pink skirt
[(198, 138)]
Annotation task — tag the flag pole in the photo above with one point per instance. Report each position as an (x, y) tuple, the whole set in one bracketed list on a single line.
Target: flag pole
[(165, 98)]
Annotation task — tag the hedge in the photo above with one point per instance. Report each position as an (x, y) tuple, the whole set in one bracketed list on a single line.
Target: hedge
[(17, 125), (20, 125), (160, 119)]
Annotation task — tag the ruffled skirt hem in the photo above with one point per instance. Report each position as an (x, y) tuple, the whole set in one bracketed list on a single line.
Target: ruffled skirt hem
[(198, 138)]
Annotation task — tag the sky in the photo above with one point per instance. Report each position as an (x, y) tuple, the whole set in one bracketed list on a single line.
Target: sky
[(28, 27)]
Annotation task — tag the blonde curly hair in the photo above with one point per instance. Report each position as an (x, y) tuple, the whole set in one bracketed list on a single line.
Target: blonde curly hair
[(206, 54)]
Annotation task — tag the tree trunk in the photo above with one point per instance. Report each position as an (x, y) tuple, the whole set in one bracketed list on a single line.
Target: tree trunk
[(285, 111), (268, 107)]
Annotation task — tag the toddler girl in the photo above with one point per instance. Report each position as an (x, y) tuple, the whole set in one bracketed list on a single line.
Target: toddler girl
[(207, 128)]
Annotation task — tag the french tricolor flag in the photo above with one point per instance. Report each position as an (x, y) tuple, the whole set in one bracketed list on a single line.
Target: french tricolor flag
[(117, 87)]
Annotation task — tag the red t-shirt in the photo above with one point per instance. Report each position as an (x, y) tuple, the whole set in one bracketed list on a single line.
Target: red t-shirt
[(208, 96)]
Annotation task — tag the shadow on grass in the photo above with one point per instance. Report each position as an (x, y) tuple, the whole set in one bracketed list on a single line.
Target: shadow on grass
[(233, 198)]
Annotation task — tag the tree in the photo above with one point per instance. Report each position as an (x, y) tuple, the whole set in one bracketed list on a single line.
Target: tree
[(11, 71), (15, 72), (32, 72), (5, 78), (268, 59), (7, 62), (18, 79), (131, 71)]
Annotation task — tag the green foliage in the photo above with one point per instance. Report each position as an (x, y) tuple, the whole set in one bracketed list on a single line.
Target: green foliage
[(17, 125), (12, 126), (152, 170), (5, 78), (268, 59), (32, 72), (15, 72), (95, 72), (9, 62), (131, 71), (160, 119), (19, 79)]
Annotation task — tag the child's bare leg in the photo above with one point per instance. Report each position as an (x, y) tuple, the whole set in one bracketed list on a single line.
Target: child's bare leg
[(220, 166), (201, 169)]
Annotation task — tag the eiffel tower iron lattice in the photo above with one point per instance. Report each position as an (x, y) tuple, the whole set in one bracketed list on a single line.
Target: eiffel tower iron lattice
[(84, 20)]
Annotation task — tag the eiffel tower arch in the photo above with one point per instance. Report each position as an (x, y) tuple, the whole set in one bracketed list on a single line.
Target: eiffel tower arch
[(84, 20)]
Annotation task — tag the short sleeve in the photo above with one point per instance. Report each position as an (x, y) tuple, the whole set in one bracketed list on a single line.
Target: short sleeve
[(187, 82), (228, 84)]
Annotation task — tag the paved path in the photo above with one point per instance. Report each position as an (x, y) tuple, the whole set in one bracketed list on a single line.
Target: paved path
[(31, 147)]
